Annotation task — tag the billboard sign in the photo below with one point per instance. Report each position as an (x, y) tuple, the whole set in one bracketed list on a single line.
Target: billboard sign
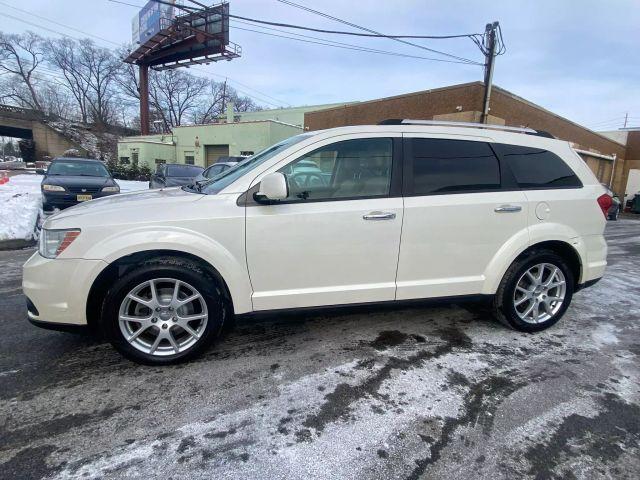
[(151, 19)]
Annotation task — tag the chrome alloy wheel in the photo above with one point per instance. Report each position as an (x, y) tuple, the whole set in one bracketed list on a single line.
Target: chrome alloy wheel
[(539, 293), (163, 316)]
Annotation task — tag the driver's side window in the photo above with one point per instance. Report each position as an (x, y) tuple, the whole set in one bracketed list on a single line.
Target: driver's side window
[(342, 170)]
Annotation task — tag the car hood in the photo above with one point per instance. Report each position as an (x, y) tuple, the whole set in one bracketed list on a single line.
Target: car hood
[(78, 181), (118, 208)]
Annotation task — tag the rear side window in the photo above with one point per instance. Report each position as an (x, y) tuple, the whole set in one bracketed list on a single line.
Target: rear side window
[(453, 166), (538, 168)]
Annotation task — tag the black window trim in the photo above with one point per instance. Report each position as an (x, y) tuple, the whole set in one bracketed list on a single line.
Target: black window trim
[(507, 182), (505, 166), (395, 188)]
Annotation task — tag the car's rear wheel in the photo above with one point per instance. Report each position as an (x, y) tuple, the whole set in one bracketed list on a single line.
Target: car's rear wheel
[(535, 292), (165, 311)]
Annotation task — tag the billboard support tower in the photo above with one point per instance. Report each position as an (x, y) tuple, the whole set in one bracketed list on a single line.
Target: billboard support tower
[(164, 39), (144, 99)]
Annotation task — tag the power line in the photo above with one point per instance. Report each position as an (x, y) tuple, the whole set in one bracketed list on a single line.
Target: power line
[(279, 104), (372, 33), (350, 47), (391, 37)]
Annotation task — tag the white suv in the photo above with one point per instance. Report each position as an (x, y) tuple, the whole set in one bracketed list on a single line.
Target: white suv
[(349, 215)]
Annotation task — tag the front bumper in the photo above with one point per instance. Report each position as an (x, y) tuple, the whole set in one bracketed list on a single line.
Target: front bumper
[(57, 289), (62, 200)]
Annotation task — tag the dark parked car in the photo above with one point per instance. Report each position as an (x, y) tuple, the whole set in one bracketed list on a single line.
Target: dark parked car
[(174, 175), (616, 204), (214, 170), (69, 181)]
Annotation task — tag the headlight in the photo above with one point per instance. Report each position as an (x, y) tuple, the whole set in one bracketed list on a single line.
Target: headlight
[(111, 189), (54, 242), (52, 188)]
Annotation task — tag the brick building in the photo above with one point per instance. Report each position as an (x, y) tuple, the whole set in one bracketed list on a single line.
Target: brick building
[(605, 156)]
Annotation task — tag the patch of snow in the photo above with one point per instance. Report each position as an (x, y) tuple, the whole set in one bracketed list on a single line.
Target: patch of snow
[(100, 145), (20, 205), (132, 185), (604, 335)]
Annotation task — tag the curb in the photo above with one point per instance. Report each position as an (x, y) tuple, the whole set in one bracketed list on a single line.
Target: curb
[(16, 244)]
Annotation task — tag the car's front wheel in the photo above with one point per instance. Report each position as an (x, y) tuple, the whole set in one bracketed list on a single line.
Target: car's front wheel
[(535, 292), (165, 311)]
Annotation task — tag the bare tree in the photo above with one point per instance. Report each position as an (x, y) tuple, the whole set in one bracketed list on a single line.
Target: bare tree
[(20, 56), (61, 54), (57, 101), (101, 68), (213, 103), (175, 94)]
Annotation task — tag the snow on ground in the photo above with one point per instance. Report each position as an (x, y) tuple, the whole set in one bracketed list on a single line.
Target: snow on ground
[(21, 205), (132, 185)]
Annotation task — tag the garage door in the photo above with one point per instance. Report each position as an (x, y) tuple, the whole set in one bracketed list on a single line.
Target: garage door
[(214, 152)]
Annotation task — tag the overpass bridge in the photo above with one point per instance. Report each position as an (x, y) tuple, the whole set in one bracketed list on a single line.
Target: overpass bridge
[(31, 124)]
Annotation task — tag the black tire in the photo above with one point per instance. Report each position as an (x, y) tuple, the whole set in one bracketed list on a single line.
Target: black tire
[(165, 267), (503, 303)]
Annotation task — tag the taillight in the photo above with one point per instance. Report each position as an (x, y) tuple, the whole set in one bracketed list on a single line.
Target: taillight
[(605, 202)]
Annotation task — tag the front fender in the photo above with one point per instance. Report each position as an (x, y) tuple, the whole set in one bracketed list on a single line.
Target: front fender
[(231, 264)]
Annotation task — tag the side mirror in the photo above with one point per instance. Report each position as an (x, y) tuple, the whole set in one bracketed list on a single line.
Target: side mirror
[(272, 187), (40, 171)]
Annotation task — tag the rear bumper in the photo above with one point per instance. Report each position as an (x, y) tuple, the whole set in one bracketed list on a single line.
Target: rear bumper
[(594, 260), (57, 290)]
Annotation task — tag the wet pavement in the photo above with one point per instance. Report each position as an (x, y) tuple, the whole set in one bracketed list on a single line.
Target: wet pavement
[(429, 391)]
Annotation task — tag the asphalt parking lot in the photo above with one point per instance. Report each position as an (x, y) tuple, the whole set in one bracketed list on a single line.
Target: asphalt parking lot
[(422, 392)]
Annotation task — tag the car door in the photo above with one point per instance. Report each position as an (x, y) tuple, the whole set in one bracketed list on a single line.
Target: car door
[(461, 214), (335, 239)]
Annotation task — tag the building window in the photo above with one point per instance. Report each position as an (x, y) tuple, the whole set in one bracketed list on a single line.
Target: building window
[(160, 161), (124, 160), (134, 158), (189, 159)]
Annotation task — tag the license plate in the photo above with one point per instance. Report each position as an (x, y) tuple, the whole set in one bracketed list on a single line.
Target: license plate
[(83, 198)]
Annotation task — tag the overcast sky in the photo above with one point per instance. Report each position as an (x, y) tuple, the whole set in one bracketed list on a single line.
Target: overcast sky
[(578, 58)]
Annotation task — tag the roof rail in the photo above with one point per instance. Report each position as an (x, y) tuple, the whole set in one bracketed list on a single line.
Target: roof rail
[(527, 130)]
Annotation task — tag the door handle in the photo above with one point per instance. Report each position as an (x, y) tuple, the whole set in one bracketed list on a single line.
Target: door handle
[(379, 216), (507, 208)]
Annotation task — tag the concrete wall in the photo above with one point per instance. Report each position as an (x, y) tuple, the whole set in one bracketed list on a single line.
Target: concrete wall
[(48, 142), (51, 143), (192, 141), (292, 116), (149, 148)]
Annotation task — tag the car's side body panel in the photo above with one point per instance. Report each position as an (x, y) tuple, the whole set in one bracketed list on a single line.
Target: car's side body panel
[(305, 254), (448, 241)]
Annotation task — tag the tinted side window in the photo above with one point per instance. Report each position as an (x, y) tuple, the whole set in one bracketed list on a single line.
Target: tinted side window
[(537, 168), (347, 169), (453, 166)]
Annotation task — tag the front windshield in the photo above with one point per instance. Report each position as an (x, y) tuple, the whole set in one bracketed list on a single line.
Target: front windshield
[(226, 178), (83, 169)]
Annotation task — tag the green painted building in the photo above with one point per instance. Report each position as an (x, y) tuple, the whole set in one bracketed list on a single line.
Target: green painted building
[(237, 134)]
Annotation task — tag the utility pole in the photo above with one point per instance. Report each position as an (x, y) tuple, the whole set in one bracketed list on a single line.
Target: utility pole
[(144, 99), (490, 58), (626, 117)]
